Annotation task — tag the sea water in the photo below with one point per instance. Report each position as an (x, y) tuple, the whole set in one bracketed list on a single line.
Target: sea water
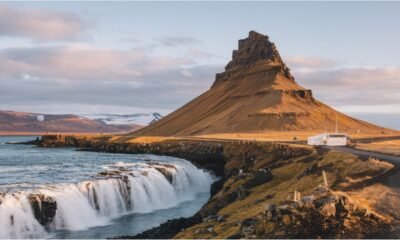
[(98, 195)]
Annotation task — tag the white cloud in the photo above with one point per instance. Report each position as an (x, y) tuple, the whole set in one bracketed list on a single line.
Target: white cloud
[(354, 89), (39, 24), (186, 73), (177, 41), (309, 63), (80, 74), (80, 62)]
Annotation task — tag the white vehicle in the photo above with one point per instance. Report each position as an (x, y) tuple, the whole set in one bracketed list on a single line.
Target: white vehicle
[(328, 139)]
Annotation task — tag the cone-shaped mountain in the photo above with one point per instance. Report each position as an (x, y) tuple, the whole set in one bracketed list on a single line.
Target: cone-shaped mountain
[(255, 94)]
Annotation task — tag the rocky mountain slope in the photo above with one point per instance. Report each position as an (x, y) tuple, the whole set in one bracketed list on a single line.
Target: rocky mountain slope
[(256, 94), (19, 122)]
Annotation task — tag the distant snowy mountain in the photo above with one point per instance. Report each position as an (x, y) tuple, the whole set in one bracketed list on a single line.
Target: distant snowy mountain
[(142, 119), (22, 122)]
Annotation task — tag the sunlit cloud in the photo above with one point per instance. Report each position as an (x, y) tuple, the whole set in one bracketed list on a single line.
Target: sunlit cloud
[(309, 63), (352, 88), (39, 24), (76, 74)]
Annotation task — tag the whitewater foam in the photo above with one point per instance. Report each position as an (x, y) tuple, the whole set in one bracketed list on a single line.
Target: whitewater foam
[(123, 188)]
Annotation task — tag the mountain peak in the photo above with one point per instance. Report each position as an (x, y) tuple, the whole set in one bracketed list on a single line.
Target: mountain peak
[(254, 51)]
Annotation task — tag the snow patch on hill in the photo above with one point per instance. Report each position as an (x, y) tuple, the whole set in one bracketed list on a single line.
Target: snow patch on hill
[(143, 119)]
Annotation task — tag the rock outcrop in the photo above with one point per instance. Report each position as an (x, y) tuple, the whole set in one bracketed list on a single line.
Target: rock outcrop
[(252, 50), (323, 214), (44, 208)]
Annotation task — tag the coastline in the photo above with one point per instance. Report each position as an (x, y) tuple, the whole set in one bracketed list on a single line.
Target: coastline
[(252, 175), (211, 155)]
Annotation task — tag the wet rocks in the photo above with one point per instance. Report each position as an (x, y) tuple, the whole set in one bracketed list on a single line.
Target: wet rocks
[(44, 208), (2, 195), (111, 173), (217, 186), (165, 169)]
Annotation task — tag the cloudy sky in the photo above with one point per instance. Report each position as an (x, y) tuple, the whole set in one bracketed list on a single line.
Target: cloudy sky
[(127, 57)]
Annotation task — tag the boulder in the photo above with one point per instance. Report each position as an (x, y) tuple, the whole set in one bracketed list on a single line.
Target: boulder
[(328, 210)]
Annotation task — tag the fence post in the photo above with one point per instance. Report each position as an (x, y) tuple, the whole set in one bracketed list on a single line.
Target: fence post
[(325, 179)]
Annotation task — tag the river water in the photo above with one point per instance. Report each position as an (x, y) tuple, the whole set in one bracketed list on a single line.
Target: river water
[(98, 195)]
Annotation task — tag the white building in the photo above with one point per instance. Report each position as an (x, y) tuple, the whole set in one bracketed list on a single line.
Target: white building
[(328, 139)]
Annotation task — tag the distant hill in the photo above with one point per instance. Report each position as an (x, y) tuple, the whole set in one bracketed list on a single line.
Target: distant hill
[(142, 119), (21, 122), (255, 94)]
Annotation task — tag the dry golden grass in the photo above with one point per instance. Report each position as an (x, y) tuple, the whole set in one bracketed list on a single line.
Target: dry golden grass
[(266, 136), (286, 180), (148, 139), (388, 147), (279, 136)]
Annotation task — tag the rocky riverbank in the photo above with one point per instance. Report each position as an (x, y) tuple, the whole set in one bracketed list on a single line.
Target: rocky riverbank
[(254, 198)]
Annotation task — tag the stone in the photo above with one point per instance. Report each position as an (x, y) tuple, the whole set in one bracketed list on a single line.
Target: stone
[(286, 219), (320, 192), (242, 192), (44, 208), (210, 218), (259, 177), (328, 210), (248, 222), (269, 207), (308, 201), (331, 199), (220, 219)]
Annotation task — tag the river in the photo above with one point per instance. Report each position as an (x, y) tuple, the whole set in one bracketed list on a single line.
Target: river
[(98, 195)]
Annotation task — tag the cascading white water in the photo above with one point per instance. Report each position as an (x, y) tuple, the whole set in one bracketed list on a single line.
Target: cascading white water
[(16, 218), (124, 188)]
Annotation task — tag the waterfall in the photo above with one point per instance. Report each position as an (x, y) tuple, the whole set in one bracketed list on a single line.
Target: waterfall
[(16, 218), (123, 188)]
